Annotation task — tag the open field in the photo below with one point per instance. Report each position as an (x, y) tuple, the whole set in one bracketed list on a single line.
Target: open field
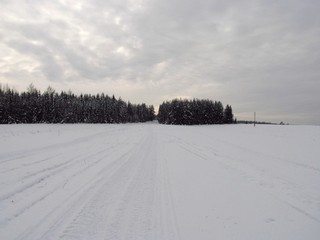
[(158, 182)]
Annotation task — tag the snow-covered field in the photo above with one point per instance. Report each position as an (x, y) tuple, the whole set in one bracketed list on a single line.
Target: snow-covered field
[(157, 182)]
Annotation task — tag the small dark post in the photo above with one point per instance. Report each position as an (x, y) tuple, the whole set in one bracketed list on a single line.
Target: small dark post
[(254, 119)]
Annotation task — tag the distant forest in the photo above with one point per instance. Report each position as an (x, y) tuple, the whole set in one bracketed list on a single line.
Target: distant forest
[(33, 106), (194, 112)]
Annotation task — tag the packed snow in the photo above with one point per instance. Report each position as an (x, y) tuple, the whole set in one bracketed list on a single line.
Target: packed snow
[(159, 182)]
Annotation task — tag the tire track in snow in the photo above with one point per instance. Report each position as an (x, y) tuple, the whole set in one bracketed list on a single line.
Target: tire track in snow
[(133, 217), (71, 207), (128, 202), (18, 155), (146, 209), (50, 170), (170, 229), (93, 220), (272, 184), (44, 196), (50, 193)]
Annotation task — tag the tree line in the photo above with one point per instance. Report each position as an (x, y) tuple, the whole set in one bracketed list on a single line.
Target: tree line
[(32, 106), (194, 112)]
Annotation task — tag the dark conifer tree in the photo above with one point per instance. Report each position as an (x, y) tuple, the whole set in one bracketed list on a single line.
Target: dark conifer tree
[(228, 115), (50, 107), (186, 112)]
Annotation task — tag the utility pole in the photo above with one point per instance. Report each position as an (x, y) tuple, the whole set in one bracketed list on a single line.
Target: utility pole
[(254, 119)]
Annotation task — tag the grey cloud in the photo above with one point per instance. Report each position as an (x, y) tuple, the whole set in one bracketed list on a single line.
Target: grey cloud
[(251, 54), (38, 41)]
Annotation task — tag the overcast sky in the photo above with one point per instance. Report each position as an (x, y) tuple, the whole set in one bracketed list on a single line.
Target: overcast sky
[(261, 56)]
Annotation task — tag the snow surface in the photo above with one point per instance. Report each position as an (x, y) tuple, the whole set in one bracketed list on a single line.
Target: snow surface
[(151, 181)]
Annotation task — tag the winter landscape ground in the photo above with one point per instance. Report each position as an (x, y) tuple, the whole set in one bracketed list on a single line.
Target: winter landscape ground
[(158, 182)]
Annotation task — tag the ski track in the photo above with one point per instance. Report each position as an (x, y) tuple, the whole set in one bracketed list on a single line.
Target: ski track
[(121, 184)]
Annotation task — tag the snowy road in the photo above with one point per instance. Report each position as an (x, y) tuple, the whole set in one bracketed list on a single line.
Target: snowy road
[(149, 181)]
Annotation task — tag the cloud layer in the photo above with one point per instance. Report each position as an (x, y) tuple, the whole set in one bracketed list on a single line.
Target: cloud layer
[(255, 55)]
